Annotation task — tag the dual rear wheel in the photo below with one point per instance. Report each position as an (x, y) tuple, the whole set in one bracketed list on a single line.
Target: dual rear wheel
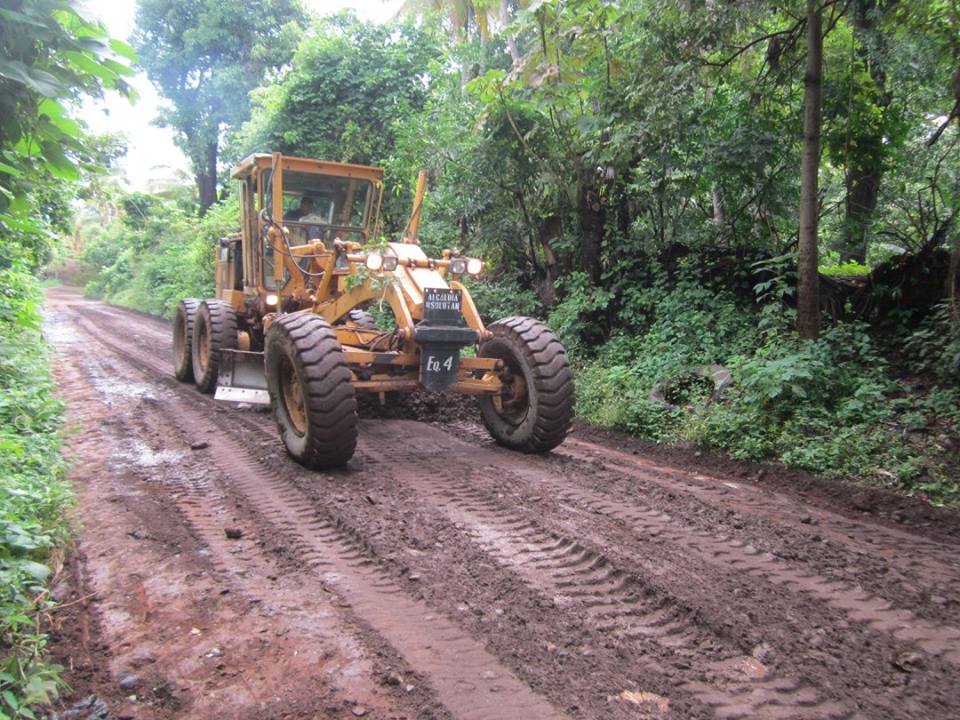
[(310, 386), (202, 330)]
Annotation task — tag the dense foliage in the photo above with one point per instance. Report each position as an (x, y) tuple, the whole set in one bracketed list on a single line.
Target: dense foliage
[(351, 87), (33, 495), (205, 56), (156, 253), (50, 57)]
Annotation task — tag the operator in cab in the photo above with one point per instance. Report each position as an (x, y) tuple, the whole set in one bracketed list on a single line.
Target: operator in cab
[(305, 213)]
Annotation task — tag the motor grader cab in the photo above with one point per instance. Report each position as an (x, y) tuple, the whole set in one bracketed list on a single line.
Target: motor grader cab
[(288, 327)]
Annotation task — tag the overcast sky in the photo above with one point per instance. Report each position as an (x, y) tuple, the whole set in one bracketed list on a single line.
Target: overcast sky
[(151, 154)]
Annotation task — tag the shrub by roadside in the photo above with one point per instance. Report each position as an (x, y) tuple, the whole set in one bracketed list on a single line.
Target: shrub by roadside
[(149, 261), (34, 496), (836, 407)]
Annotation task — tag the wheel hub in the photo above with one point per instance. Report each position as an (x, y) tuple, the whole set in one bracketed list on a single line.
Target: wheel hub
[(203, 344), (514, 400), (293, 397)]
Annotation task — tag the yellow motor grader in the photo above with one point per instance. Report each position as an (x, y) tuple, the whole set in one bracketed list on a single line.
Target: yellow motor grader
[(288, 327)]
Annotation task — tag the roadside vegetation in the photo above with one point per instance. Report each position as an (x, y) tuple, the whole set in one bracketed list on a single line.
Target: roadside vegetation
[(49, 57), (33, 495)]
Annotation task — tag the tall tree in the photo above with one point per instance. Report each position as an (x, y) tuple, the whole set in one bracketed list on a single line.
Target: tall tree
[(866, 123), (351, 87), (808, 300), (50, 56), (206, 56)]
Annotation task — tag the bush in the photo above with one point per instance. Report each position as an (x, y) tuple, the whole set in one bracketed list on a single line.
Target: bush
[(33, 494), (846, 269), (688, 326), (829, 407), (502, 297), (934, 347), (151, 264)]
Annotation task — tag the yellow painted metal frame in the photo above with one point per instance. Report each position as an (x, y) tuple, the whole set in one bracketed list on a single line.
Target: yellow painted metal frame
[(326, 291)]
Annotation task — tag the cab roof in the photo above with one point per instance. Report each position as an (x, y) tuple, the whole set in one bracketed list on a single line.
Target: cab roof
[(260, 161)]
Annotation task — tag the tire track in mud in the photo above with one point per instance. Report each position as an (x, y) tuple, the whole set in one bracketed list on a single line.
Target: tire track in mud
[(614, 601), (466, 678), (507, 517), (937, 564), (939, 640), (659, 625), (317, 632)]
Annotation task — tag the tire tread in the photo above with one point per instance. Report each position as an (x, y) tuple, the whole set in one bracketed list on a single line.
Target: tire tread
[(328, 392), (552, 377)]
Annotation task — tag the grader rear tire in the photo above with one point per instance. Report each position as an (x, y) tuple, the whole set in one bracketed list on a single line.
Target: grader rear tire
[(362, 318), (183, 339), (535, 410), (311, 392), (214, 330)]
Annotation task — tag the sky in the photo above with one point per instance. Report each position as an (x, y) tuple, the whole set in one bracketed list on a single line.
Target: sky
[(152, 157)]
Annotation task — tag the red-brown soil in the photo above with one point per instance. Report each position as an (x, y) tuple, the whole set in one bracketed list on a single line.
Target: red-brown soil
[(440, 576)]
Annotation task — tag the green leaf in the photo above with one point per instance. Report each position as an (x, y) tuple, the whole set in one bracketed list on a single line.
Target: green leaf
[(11, 700), (117, 68), (38, 571), (123, 49), (60, 165), (88, 65), (39, 80)]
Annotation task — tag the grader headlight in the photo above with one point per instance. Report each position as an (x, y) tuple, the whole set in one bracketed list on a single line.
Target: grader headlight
[(374, 261), (377, 262), (458, 266), (474, 266)]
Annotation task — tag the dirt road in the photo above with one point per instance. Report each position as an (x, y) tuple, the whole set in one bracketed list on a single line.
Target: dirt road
[(439, 576)]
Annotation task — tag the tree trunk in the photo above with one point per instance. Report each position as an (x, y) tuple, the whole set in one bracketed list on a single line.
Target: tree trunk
[(808, 300), (207, 178), (511, 39), (953, 281), (549, 230), (715, 197), (864, 165), (591, 215), (863, 185)]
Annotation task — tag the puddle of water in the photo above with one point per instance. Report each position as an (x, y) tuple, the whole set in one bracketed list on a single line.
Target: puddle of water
[(139, 453), (57, 330), (113, 388)]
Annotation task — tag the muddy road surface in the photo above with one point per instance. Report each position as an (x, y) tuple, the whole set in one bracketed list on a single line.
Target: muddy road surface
[(439, 576)]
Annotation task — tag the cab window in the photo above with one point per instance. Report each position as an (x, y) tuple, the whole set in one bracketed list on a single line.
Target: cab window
[(311, 199)]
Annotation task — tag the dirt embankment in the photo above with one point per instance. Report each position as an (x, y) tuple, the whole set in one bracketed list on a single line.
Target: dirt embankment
[(439, 576)]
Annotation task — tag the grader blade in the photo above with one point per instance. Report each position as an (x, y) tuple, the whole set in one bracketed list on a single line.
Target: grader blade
[(242, 378)]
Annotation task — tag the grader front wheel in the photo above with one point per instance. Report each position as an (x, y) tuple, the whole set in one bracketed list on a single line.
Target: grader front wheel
[(311, 392), (534, 411)]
